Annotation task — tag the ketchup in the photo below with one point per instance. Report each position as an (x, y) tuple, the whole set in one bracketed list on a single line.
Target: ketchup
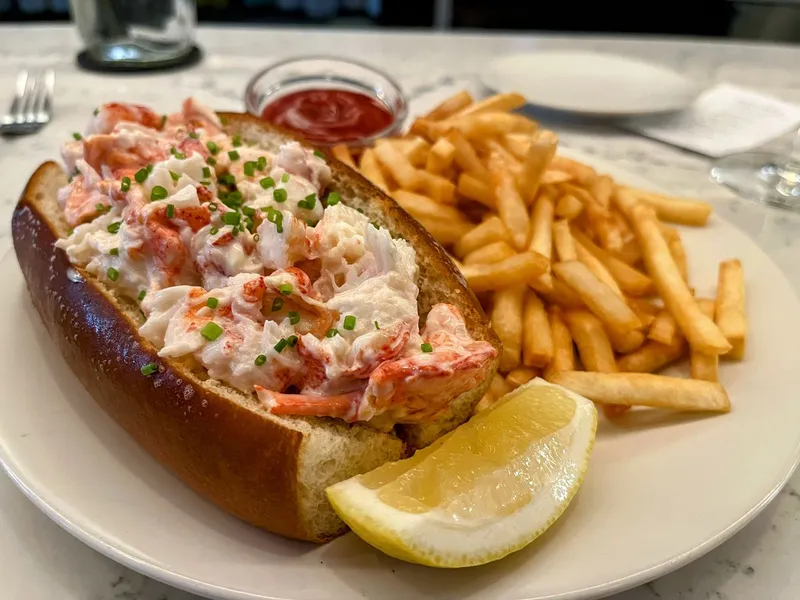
[(329, 116)]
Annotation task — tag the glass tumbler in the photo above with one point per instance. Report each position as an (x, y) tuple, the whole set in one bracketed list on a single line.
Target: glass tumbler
[(135, 34)]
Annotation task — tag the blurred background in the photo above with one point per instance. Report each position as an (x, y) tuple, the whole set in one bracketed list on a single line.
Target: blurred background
[(772, 20)]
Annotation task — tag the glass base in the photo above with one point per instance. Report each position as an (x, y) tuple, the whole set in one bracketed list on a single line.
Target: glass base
[(134, 57), (760, 177)]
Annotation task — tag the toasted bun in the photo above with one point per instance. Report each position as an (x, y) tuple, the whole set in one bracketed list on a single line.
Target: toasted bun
[(268, 470)]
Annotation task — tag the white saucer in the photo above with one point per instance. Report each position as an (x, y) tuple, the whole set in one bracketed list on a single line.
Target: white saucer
[(590, 83)]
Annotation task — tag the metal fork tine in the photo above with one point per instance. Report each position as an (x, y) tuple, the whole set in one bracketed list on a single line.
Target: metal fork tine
[(37, 94), (16, 103), (27, 99), (46, 108)]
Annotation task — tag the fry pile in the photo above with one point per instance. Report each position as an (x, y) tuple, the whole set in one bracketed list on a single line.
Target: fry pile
[(563, 258)]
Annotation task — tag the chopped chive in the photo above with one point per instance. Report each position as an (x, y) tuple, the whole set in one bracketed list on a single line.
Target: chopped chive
[(114, 252), (227, 179), (277, 304), (126, 184), (256, 238), (211, 331), (114, 227), (112, 273), (250, 224), (233, 155), (333, 198), (163, 121), (158, 193), (211, 161), (319, 154), (377, 326), (285, 288), (374, 224), (175, 176), (248, 211), (100, 207), (237, 141), (361, 210), (231, 218), (261, 164), (212, 147), (249, 168), (149, 369), (233, 199), (149, 168), (349, 323), (285, 177), (212, 302), (311, 222), (170, 211), (309, 202), (176, 154), (212, 206), (260, 360), (292, 339), (141, 295), (294, 317), (194, 135), (205, 182), (77, 136), (280, 195), (207, 172), (235, 231), (267, 183), (141, 175), (280, 345), (426, 347), (96, 111), (214, 230), (331, 332)]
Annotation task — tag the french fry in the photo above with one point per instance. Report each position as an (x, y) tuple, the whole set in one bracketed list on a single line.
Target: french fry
[(473, 188), (489, 124), (644, 389), (369, 168), (653, 356), (490, 231), (560, 294), (664, 328), (517, 144), (593, 345), (437, 187), (553, 177), (491, 253), (610, 308), (704, 366), (510, 206), (537, 340), (465, 156), (520, 376), (420, 206), (601, 189), (398, 166), (563, 241), (454, 104), (702, 333), (415, 150), (630, 280), (440, 157), (568, 207), (684, 211), (730, 314), (524, 267), (563, 351), (446, 232), (507, 323), (429, 129), (625, 340), (678, 253), (584, 174), (542, 232), (499, 387), (597, 268), (645, 316), (342, 153), (510, 161), (498, 103), (540, 153)]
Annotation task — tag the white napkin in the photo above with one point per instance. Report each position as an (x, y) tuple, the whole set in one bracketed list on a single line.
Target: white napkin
[(723, 120)]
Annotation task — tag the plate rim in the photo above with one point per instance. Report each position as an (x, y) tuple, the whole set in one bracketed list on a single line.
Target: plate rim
[(104, 545), (609, 113)]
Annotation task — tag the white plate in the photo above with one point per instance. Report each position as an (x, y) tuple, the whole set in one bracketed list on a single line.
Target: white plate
[(658, 494), (590, 83)]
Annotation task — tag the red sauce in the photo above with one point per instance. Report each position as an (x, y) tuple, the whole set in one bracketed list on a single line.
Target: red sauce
[(329, 116)]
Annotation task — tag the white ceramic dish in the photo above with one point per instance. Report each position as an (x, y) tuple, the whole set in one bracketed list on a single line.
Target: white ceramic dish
[(590, 83), (660, 492)]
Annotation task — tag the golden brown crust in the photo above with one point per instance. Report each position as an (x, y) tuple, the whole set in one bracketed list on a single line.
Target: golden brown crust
[(240, 458)]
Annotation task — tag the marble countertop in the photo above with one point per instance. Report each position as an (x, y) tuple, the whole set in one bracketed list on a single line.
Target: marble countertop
[(40, 561)]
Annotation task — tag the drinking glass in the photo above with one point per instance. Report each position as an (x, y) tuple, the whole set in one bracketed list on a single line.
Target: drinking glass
[(766, 178), (135, 34)]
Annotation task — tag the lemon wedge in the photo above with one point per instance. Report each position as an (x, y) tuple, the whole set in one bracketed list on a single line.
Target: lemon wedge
[(484, 490)]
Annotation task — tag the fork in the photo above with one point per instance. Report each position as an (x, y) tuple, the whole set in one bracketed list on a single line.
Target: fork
[(32, 105)]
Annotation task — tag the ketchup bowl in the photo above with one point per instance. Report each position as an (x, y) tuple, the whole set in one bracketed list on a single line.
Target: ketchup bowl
[(327, 101)]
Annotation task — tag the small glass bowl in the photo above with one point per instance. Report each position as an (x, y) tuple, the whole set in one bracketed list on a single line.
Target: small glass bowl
[(319, 72)]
